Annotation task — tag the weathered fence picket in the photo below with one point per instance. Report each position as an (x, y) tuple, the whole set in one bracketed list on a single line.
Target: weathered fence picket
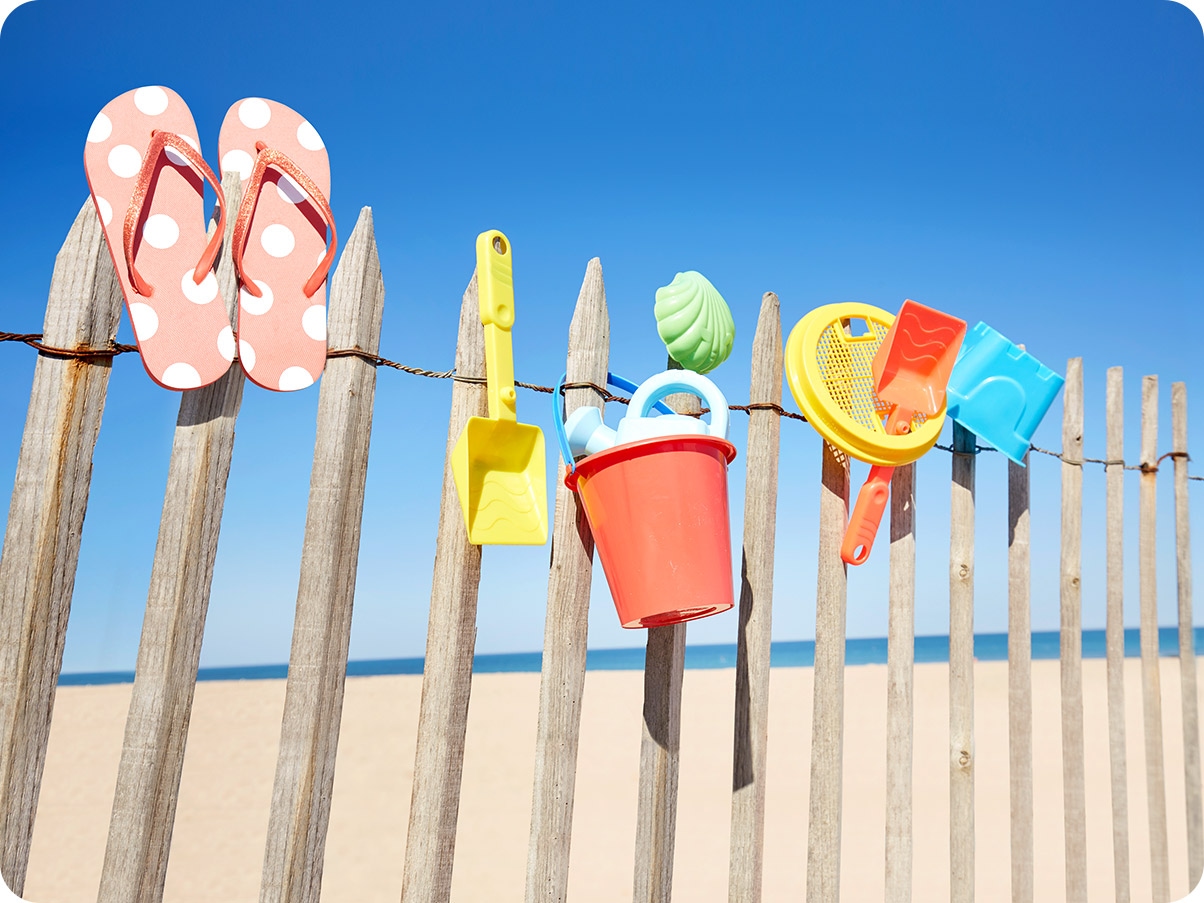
[(566, 630), (1074, 794), (961, 667), (900, 667), (1020, 682), (1151, 684), (152, 754), (753, 636), (827, 713), (1114, 476), (313, 701), (45, 520), (451, 636), (1187, 636)]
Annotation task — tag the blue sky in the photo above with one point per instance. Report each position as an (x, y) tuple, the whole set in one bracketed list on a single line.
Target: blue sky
[(1034, 165)]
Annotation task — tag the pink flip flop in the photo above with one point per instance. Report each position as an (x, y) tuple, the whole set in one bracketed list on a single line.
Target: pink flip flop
[(280, 249), (147, 178)]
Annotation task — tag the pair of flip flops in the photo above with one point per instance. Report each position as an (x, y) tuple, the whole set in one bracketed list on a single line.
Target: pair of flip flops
[(147, 179)]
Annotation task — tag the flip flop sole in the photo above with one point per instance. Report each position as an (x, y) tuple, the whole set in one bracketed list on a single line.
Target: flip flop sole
[(281, 335), (182, 330)]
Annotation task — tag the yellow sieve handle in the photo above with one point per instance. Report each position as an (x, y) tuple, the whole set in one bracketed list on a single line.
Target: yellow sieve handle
[(495, 289)]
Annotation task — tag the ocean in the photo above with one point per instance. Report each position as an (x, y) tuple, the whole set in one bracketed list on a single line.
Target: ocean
[(785, 654)]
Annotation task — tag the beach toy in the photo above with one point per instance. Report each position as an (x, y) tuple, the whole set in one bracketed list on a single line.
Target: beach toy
[(498, 463), (829, 364), (1000, 392), (911, 370), (279, 245), (147, 178), (694, 322), (658, 507)]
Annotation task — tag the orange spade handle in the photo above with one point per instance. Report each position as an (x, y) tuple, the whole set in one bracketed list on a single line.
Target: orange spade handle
[(866, 515)]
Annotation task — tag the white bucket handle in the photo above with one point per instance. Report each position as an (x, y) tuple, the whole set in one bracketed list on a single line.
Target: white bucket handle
[(657, 387)]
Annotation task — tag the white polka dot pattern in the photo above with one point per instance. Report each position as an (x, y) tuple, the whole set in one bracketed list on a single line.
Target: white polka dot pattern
[(254, 113), (278, 240), (225, 343), (238, 161), (313, 321), (160, 231), (176, 157), (203, 293), (102, 128), (124, 161), (290, 190), (182, 376), (308, 137), (106, 210), (246, 354), (256, 306), (294, 378), (144, 320), (151, 100)]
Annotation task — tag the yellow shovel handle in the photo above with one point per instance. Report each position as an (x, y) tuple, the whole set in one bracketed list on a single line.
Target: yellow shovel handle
[(495, 288)]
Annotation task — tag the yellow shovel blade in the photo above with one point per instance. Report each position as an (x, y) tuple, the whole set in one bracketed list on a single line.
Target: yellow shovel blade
[(500, 475)]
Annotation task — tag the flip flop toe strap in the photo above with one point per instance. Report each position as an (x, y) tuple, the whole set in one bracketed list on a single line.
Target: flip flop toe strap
[(160, 141), (281, 162)]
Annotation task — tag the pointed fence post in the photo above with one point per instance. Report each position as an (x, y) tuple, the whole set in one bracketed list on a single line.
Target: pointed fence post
[(152, 754), (1187, 637), (900, 668), (1114, 476), (961, 668), (1151, 683), (1020, 682), (45, 519), (1074, 794), (317, 664), (756, 609), (660, 743), (827, 723), (451, 635), (566, 632)]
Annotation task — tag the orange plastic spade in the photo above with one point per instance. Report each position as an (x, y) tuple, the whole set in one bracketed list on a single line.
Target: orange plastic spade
[(911, 371)]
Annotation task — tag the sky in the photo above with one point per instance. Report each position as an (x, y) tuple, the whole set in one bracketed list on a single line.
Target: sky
[(1034, 165)]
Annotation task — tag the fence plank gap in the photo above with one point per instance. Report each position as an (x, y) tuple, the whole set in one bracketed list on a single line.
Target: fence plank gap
[(566, 631), (156, 730), (451, 636), (1187, 649), (313, 701), (45, 520), (1020, 682), (660, 742), (961, 668), (1074, 794), (900, 665), (827, 723), (753, 638), (1151, 685), (1114, 476)]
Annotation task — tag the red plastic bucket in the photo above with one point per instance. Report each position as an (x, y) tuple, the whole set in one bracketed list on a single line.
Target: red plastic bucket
[(659, 514)]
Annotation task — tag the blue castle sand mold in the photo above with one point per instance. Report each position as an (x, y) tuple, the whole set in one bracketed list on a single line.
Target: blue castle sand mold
[(1000, 392)]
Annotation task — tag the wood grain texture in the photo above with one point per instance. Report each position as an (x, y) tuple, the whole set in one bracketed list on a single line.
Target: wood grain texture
[(1020, 682), (45, 520), (660, 742), (451, 635), (566, 629), (756, 609), (313, 701), (827, 720), (152, 754), (900, 662), (961, 668), (1187, 651), (1151, 687), (1114, 516), (1074, 794)]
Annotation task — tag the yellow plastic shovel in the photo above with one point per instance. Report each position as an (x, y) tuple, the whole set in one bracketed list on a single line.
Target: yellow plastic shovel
[(498, 463)]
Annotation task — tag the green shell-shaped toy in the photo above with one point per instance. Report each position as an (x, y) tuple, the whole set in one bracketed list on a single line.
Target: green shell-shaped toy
[(694, 322)]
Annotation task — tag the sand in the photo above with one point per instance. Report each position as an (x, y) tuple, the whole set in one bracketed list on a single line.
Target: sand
[(225, 792)]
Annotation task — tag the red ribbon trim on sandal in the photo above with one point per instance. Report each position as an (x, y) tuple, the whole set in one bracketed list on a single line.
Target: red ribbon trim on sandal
[(160, 140), (269, 156)]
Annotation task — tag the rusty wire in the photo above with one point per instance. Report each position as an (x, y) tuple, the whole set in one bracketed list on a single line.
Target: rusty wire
[(34, 340)]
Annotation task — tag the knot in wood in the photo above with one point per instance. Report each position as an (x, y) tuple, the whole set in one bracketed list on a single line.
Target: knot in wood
[(964, 759), (963, 571)]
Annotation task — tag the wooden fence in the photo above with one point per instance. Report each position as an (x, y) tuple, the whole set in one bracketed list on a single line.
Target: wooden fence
[(41, 549)]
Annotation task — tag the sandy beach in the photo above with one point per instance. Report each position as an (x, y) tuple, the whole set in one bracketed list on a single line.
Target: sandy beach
[(221, 820)]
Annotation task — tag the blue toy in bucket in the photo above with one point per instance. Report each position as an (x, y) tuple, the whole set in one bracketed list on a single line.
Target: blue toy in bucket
[(1000, 392)]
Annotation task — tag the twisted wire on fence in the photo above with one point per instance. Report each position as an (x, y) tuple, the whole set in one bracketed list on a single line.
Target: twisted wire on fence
[(34, 340)]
